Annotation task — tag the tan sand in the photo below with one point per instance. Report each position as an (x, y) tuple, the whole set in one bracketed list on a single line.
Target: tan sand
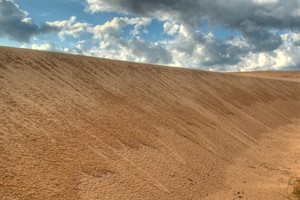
[(282, 75), (74, 127)]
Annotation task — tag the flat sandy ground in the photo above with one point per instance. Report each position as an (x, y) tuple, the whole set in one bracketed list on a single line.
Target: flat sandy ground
[(74, 127)]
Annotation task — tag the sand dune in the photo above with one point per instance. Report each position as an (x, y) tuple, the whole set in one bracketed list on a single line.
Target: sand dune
[(282, 75), (74, 127)]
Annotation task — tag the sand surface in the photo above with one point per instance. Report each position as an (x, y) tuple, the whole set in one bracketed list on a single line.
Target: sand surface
[(281, 75), (74, 127)]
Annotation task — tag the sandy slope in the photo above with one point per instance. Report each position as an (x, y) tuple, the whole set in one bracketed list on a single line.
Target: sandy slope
[(282, 75), (74, 127)]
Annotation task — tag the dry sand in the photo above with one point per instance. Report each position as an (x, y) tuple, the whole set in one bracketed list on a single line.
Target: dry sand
[(74, 127), (282, 75)]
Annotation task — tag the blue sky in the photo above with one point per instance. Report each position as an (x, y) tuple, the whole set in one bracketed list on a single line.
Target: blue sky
[(209, 35)]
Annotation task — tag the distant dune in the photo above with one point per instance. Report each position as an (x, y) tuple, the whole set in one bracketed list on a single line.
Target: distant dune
[(75, 127)]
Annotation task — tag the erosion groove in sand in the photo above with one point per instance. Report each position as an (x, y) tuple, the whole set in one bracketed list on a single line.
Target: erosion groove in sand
[(75, 127)]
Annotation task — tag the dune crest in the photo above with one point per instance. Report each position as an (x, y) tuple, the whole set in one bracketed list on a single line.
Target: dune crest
[(75, 127)]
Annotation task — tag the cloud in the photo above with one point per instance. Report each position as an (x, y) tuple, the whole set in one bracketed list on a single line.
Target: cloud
[(170, 28), (260, 38), (284, 58), (256, 20), (148, 52), (136, 49), (252, 18), (69, 27), (188, 48), (51, 46), (199, 50), (112, 29), (267, 30), (271, 13), (112, 45), (195, 49), (16, 25), (46, 46), (265, 1)]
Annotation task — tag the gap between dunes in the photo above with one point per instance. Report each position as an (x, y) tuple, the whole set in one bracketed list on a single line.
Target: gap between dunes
[(75, 127)]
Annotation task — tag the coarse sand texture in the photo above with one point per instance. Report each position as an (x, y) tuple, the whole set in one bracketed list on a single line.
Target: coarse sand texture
[(76, 127)]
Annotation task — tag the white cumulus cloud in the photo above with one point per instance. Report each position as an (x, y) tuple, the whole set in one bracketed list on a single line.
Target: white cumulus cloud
[(70, 27)]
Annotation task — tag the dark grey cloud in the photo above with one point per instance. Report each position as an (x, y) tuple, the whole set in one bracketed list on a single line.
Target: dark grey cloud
[(260, 37), (231, 13), (15, 24), (151, 53), (297, 43), (253, 18)]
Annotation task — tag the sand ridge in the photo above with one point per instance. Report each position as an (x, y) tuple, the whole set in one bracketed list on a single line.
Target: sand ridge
[(75, 127)]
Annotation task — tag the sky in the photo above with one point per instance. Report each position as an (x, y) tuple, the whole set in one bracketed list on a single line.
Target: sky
[(214, 35)]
